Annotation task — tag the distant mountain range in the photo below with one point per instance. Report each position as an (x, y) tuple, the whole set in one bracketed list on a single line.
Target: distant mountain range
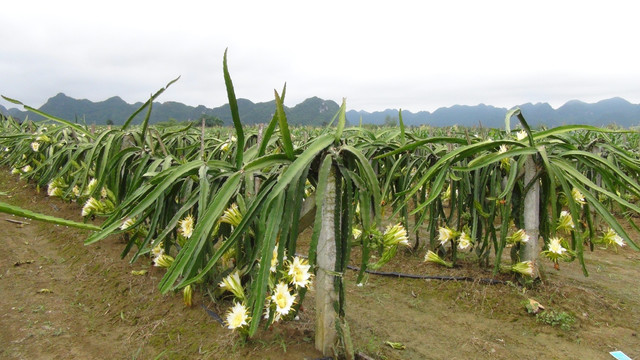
[(316, 111)]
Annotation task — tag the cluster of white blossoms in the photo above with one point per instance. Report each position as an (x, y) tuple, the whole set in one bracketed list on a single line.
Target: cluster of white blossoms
[(101, 205), (388, 243), (281, 293), (446, 235)]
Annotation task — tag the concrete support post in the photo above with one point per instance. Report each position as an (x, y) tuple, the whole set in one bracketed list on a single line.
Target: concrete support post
[(326, 295)]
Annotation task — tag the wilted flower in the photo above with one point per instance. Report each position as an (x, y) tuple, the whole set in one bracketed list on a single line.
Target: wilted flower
[(103, 192), (158, 249), (274, 259), (612, 238), (127, 223), (524, 268), (91, 206), (445, 234), (308, 188), (267, 310), (465, 241), (237, 317), (35, 146), (55, 187), (395, 235), (186, 226), (163, 260), (187, 295), (577, 196), (505, 163), (232, 283), (227, 144), (232, 215), (282, 298), (76, 191), (43, 138), (565, 222), (433, 257), (54, 191), (518, 236), (299, 272), (90, 187), (15, 171), (356, 232), (447, 194)]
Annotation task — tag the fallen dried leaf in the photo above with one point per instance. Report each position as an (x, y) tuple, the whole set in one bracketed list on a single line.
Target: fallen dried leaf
[(396, 345)]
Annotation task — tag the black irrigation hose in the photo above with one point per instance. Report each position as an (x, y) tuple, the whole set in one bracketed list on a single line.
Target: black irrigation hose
[(430, 277), (424, 277)]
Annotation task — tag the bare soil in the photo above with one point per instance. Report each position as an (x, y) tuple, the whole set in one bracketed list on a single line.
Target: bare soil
[(61, 299)]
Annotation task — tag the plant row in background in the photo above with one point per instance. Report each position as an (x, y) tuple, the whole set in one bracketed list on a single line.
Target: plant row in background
[(221, 208)]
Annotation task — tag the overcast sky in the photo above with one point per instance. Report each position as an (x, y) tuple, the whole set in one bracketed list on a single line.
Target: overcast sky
[(414, 55)]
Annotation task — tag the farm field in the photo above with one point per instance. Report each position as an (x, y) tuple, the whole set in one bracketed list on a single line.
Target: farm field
[(275, 242), (65, 300)]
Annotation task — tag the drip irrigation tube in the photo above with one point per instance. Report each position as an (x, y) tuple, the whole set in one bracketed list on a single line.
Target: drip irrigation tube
[(430, 277)]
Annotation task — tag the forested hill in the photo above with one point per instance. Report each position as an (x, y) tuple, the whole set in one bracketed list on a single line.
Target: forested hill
[(316, 111)]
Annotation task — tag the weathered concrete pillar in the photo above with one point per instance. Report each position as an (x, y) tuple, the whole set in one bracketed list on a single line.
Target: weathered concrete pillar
[(326, 295), (529, 250)]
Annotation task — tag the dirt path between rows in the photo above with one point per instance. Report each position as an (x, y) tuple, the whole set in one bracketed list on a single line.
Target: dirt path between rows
[(63, 300)]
